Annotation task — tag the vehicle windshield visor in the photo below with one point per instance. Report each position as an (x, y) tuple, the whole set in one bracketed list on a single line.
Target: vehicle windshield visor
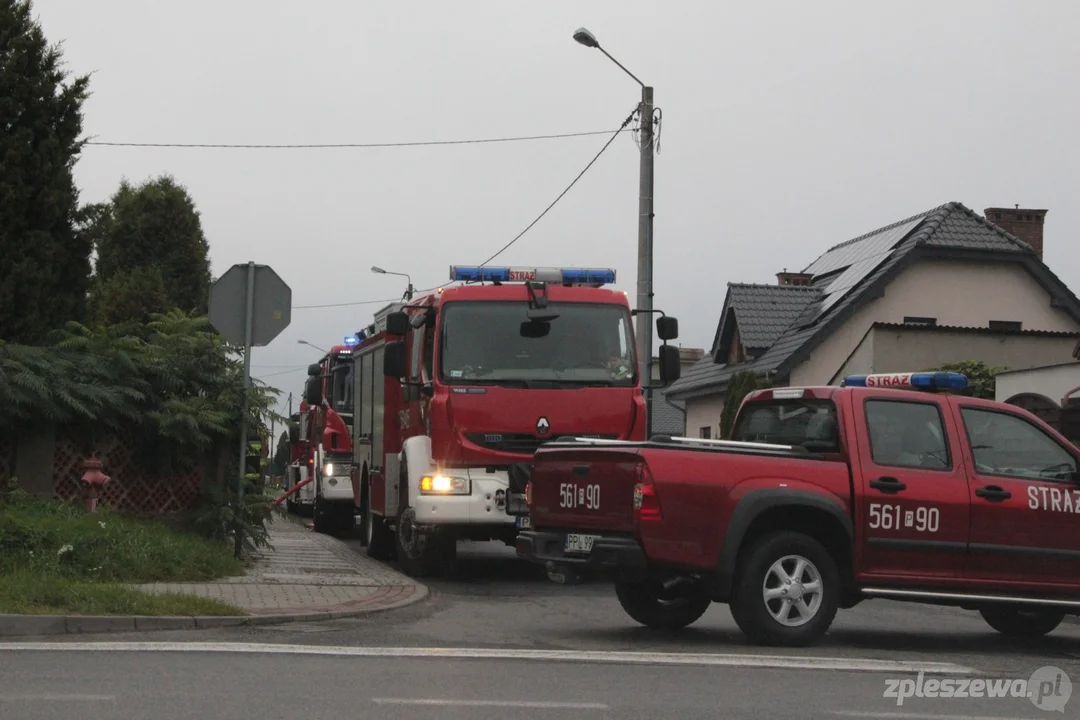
[(492, 342)]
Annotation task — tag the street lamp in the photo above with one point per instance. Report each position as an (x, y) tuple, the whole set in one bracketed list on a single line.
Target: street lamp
[(408, 291), (645, 228), (305, 342)]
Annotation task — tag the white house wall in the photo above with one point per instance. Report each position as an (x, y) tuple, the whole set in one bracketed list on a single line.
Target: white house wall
[(957, 293), (1050, 382)]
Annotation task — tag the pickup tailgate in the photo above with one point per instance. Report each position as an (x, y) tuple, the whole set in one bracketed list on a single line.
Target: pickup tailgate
[(584, 488)]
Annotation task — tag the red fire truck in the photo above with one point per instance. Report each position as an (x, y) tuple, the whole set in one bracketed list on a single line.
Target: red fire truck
[(323, 444), (456, 389)]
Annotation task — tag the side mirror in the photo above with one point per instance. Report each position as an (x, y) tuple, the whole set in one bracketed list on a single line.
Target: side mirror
[(294, 434), (394, 359), (667, 328), (397, 324), (313, 391), (670, 364), (314, 369), (535, 329)]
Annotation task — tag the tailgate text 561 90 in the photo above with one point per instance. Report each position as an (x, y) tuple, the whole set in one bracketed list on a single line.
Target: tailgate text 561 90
[(572, 495)]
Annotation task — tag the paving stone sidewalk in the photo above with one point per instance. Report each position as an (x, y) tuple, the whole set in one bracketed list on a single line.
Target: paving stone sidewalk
[(307, 573)]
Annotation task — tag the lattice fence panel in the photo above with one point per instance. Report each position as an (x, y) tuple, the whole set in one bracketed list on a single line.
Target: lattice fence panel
[(130, 488), (6, 452)]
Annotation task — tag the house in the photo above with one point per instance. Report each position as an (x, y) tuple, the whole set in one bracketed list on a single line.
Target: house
[(669, 416), (942, 286), (1051, 392)]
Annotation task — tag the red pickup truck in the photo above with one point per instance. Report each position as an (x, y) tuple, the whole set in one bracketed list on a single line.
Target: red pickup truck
[(886, 487)]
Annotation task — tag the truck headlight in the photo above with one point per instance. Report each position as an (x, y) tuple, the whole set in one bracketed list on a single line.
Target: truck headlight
[(328, 469), (444, 485)]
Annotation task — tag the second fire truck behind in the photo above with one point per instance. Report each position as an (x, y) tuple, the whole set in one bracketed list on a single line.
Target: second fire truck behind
[(455, 390)]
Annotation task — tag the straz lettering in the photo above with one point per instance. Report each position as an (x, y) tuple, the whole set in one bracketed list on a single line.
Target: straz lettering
[(522, 275), (572, 495), (1053, 499), (899, 380)]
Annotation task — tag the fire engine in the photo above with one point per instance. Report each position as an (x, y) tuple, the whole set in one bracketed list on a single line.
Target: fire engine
[(455, 389), (322, 446)]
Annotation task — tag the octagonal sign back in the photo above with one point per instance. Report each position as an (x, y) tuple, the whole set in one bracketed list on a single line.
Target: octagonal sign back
[(271, 306)]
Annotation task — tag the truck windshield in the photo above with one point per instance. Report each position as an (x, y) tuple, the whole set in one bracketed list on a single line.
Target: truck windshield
[(809, 423), (341, 385), (587, 344)]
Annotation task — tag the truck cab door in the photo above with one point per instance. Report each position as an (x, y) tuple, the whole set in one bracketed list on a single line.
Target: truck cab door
[(1025, 501), (914, 513)]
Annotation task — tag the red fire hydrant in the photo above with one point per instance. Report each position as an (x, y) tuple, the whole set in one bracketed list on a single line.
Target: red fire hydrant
[(93, 480)]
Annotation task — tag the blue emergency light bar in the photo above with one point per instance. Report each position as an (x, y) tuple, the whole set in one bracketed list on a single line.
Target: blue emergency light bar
[(351, 340), (565, 276), (910, 381)]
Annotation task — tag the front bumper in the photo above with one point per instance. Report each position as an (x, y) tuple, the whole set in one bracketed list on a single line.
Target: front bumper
[(620, 556), (336, 489), (484, 505)]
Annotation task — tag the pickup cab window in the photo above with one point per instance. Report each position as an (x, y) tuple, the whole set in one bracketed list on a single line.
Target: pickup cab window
[(907, 434), (1004, 444), (809, 423)]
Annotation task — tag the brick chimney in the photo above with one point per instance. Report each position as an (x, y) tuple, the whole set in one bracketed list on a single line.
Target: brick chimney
[(1023, 223), (795, 279)]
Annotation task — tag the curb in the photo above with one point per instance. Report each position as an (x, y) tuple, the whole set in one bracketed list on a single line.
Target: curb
[(17, 625)]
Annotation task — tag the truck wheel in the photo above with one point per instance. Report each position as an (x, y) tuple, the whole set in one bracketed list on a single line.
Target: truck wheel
[(322, 517), (380, 540), (786, 590), (650, 604), (418, 553), (1022, 622)]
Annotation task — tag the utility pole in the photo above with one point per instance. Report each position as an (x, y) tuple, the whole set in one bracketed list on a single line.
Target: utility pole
[(643, 328), (645, 252)]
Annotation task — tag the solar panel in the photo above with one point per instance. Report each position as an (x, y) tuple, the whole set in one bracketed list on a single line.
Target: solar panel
[(862, 258), (876, 244)]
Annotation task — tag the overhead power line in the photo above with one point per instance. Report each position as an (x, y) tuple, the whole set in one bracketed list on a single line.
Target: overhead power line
[(615, 134), (320, 146)]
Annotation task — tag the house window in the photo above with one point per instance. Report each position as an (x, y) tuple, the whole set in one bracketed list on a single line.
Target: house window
[(705, 433), (915, 320), (1006, 325)]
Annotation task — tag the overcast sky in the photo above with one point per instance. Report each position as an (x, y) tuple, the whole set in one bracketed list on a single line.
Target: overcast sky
[(787, 127)]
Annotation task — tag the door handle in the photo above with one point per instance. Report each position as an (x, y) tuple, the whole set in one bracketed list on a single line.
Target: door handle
[(887, 485), (993, 493)]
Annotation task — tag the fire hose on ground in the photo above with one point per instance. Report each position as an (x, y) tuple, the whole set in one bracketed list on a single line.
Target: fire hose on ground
[(293, 490)]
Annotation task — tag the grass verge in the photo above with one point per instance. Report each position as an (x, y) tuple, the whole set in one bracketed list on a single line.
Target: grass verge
[(55, 558), (22, 593)]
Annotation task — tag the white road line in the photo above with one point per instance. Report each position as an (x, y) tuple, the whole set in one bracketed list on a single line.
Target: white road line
[(794, 662), (57, 697), (491, 703), (919, 716)]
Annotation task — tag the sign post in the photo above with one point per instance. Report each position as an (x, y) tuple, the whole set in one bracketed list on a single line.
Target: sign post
[(250, 306)]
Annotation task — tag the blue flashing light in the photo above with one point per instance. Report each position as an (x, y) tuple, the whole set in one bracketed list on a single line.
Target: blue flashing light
[(910, 381), (351, 340), (566, 276)]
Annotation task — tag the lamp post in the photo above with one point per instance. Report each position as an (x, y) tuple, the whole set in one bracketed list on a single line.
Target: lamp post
[(408, 291), (305, 342), (645, 229)]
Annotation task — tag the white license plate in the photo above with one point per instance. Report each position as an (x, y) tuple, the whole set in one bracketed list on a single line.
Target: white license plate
[(576, 543), (524, 523)]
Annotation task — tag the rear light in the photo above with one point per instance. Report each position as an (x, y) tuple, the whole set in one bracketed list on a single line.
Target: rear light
[(528, 493), (646, 501)]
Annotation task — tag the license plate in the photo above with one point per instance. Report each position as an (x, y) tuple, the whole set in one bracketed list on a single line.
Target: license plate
[(524, 523), (576, 543)]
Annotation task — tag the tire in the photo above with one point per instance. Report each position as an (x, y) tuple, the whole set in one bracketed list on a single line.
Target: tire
[(322, 517), (658, 609), (759, 571), (418, 554), (1022, 622)]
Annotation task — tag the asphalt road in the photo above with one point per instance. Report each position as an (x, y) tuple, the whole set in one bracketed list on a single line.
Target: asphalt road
[(496, 601), (135, 685)]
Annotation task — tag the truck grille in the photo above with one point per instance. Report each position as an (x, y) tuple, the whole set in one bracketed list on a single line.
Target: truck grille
[(523, 443)]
